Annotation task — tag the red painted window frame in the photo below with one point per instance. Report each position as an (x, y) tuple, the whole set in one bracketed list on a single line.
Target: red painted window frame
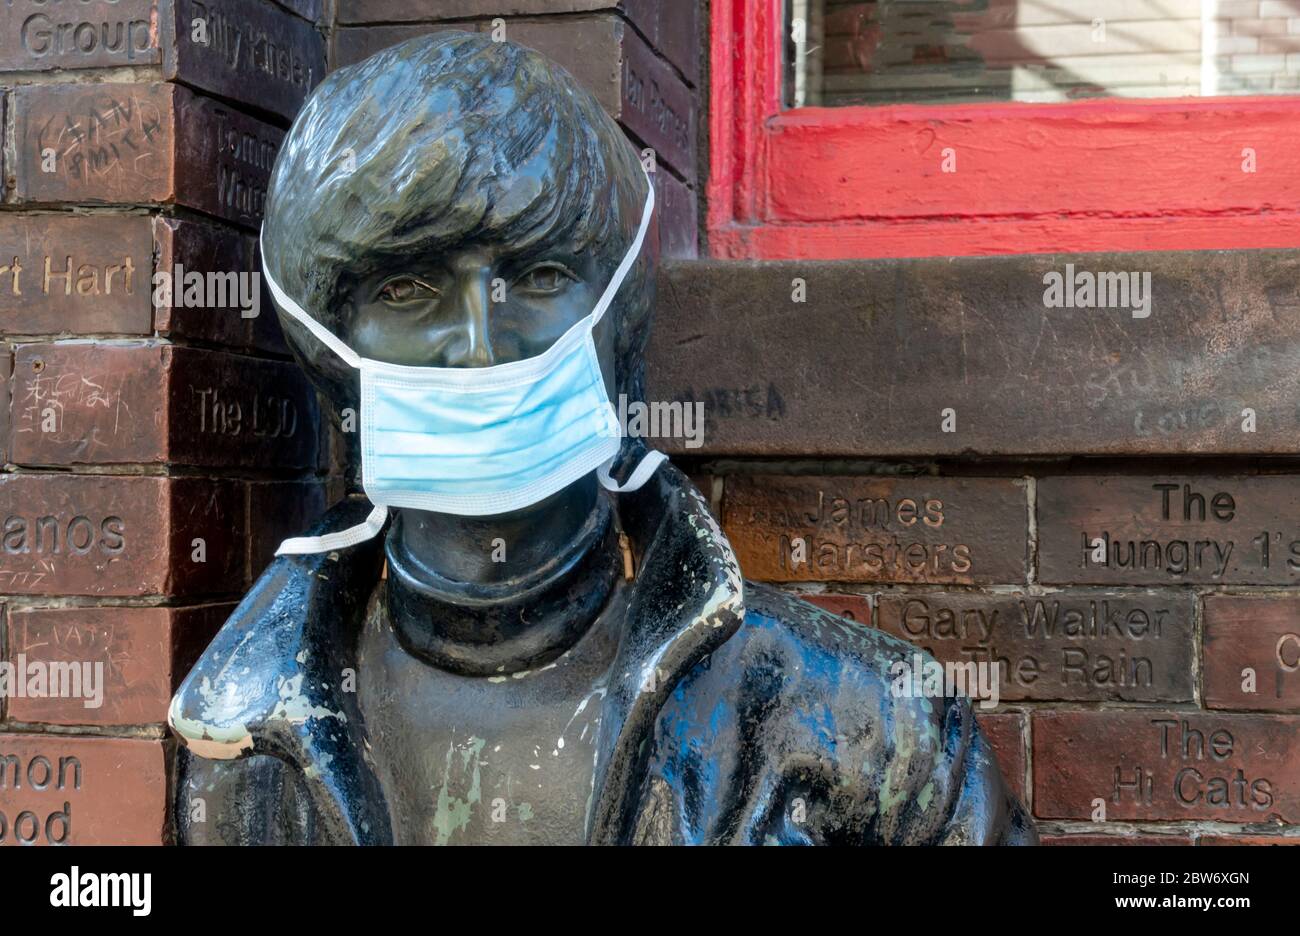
[(1110, 174)]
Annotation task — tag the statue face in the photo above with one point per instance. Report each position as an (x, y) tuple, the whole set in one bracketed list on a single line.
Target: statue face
[(477, 305)]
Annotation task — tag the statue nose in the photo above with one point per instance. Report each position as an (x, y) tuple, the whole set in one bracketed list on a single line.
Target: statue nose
[(473, 347)]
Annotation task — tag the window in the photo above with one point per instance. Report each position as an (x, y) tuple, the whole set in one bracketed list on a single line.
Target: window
[(884, 128)]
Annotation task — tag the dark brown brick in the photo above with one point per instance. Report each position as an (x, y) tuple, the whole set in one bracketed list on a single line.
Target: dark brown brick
[(278, 510), (1117, 839), (202, 247), (91, 403), (867, 364), (143, 654), (1248, 840), (141, 144), (255, 54), (82, 791), (878, 529), (6, 373), (603, 53), (1079, 646), (37, 35), (853, 607), (1178, 765), (104, 535), (673, 29), (1162, 530), (310, 10), (1006, 734), (1259, 634), (678, 212), (75, 274)]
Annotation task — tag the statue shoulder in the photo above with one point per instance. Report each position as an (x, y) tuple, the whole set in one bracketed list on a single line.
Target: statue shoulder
[(813, 700)]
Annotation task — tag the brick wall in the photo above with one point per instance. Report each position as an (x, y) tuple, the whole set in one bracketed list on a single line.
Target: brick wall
[(155, 447), (1075, 495)]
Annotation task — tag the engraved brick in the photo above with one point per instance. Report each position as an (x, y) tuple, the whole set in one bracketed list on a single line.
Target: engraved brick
[(310, 10), (1096, 839), (875, 529), (1077, 646), (70, 790), (1162, 530), (867, 364), (678, 212), (202, 247), (853, 607), (75, 274), (1177, 765), (6, 373), (1006, 735), (136, 657), (91, 403), (673, 29), (254, 53), (141, 144), (603, 53), (278, 510), (105, 535), (37, 35), (1259, 634)]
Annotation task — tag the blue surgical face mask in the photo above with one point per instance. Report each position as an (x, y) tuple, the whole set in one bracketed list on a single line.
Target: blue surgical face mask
[(481, 440)]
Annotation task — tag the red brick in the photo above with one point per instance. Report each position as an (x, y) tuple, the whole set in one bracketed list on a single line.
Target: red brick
[(75, 274), (89, 403), (1248, 840), (141, 144), (1117, 839), (853, 607), (106, 535), (1076, 645), (111, 790), (1176, 765), (36, 35), (603, 53), (1006, 734), (276, 511), (144, 654), (672, 28), (206, 248), (1257, 633), (878, 529), (1161, 543), (255, 54)]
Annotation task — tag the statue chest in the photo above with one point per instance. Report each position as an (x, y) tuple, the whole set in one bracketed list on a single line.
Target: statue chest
[(470, 760)]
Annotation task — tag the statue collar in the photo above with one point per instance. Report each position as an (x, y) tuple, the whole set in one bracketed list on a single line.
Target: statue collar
[(476, 630)]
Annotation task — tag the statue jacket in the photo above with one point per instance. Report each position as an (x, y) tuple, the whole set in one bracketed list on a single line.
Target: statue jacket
[(734, 714)]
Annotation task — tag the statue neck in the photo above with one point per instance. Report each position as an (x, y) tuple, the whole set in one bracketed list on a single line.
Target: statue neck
[(492, 595)]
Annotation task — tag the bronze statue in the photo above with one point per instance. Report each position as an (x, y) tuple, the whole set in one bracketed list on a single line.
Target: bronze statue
[(586, 667)]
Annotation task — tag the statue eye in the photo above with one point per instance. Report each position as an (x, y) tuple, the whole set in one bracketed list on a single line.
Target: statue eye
[(406, 290), (545, 279)]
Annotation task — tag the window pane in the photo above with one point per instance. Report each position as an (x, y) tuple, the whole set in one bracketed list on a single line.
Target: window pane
[(842, 52)]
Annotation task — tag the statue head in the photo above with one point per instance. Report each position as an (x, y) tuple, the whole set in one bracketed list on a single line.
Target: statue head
[(457, 202)]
